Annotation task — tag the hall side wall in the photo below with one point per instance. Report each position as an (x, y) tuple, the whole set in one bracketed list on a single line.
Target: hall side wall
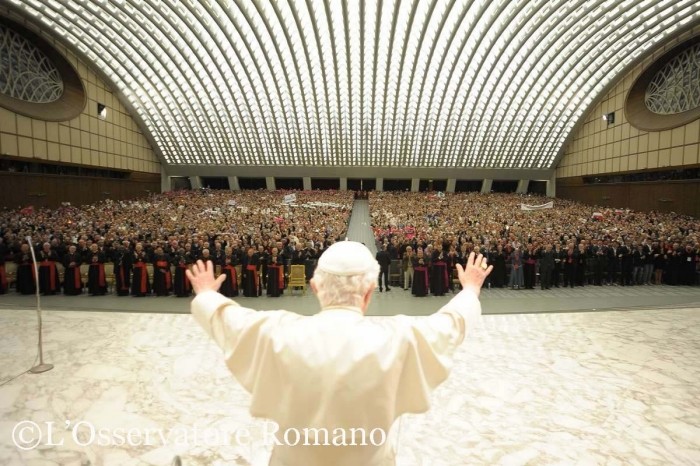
[(601, 149), (115, 143)]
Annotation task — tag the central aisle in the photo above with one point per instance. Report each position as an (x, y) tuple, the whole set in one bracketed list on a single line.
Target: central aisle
[(360, 226)]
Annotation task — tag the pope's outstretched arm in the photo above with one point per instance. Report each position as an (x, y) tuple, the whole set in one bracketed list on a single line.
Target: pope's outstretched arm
[(208, 305), (237, 330), (464, 309), (434, 338), (445, 329)]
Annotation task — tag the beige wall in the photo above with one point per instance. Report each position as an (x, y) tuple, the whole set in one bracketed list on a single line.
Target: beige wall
[(598, 148), (115, 142)]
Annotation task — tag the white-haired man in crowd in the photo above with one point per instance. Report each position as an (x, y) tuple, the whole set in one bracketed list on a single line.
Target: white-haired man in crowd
[(337, 374)]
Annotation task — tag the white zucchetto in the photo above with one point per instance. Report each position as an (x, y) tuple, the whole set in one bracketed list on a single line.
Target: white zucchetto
[(347, 258)]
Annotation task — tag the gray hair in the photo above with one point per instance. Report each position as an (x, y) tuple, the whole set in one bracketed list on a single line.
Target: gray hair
[(344, 290)]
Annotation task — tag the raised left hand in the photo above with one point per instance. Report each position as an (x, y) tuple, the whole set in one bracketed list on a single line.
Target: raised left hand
[(202, 277)]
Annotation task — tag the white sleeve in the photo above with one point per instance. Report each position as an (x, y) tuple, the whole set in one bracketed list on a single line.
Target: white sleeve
[(432, 342), (240, 332)]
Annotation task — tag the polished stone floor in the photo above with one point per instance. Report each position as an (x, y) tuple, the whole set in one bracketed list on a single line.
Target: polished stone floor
[(612, 388)]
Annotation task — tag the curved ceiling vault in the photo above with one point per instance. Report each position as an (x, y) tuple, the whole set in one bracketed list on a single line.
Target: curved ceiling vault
[(424, 83)]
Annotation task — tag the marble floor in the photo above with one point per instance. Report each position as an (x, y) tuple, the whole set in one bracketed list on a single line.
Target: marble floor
[(609, 388)]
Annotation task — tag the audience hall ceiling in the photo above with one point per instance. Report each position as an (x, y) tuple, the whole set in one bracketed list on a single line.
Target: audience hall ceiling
[(375, 83)]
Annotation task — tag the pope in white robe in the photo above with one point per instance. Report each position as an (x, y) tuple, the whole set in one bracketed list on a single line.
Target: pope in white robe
[(337, 372)]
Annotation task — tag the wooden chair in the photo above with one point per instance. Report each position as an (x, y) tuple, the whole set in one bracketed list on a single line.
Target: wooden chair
[(395, 272), (61, 271), (239, 275), (297, 278), (84, 270), (455, 280), (149, 271), (10, 273), (109, 276)]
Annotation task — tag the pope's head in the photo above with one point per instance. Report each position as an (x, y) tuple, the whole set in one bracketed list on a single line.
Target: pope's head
[(345, 276)]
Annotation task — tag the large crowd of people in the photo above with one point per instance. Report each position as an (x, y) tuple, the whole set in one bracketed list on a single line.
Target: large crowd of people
[(530, 242), (143, 247)]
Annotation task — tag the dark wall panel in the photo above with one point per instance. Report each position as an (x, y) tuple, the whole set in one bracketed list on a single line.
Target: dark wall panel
[(252, 183), (396, 185), (468, 186), (537, 187), (289, 183), (504, 186), (432, 185), (43, 190), (325, 183), (178, 183), (666, 196), (215, 182), (364, 184)]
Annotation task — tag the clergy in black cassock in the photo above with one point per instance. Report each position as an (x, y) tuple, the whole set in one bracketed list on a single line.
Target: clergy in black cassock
[(439, 279), (420, 274), (25, 271), (72, 283), (162, 277), (140, 285), (251, 279), (122, 269), (181, 285), (48, 274), (229, 287), (97, 284), (275, 274)]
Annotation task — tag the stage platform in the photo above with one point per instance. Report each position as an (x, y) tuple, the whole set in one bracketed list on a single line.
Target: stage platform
[(398, 301), (615, 387)]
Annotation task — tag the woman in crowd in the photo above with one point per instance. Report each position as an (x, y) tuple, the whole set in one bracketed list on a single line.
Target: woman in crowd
[(516, 269)]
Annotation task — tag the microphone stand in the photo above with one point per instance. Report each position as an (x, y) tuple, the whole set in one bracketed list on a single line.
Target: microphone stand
[(42, 367)]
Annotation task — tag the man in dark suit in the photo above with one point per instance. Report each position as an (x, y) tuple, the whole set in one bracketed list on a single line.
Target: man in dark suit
[(299, 255), (384, 261), (546, 267), (614, 257)]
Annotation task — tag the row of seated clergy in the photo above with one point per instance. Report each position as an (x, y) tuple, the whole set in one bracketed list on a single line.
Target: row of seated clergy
[(143, 278), (52, 275)]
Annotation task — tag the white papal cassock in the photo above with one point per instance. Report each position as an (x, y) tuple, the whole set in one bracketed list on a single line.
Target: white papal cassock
[(335, 369)]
